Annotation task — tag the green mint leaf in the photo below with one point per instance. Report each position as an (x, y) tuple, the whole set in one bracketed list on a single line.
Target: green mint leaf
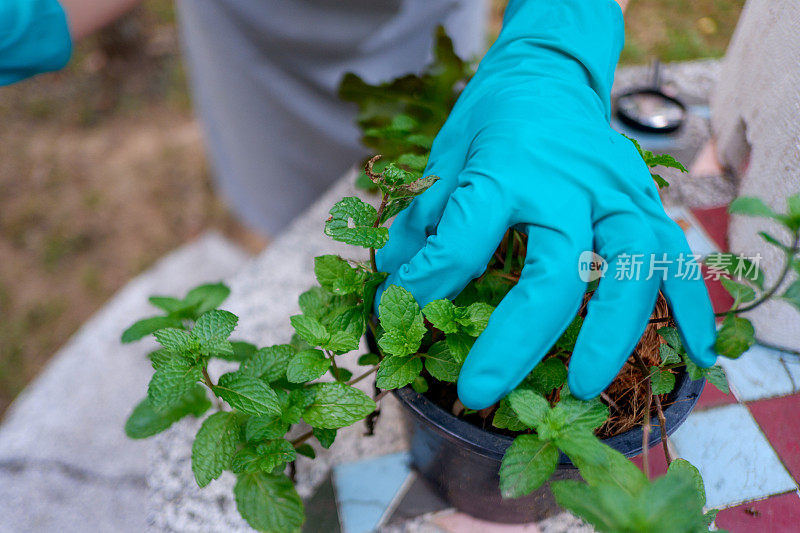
[(682, 467), (527, 465), (324, 436), (668, 355), (660, 181), (529, 406), (792, 294), (402, 321), (160, 358), (399, 310), (441, 364), (147, 326), (310, 330), (343, 341), (506, 418), (341, 374), (351, 221), (398, 344), (413, 161), (242, 351), (369, 359), (572, 414), (265, 427), (420, 385), (307, 450), (587, 503), (773, 241), (246, 461), (167, 303), (214, 446), (174, 340), (735, 337), (398, 371), (474, 318), (145, 421), (715, 375), (459, 344), (269, 502), (395, 206), (709, 517), (337, 405), (739, 291), (207, 297), (395, 177), (661, 381), (442, 314), (219, 348), (275, 453), (751, 206), (247, 394), (269, 363), (415, 188), (672, 337), (665, 160), (568, 339), (214, 325), (547, 375), (171, 382), (600, 464), (307, 366), (296, 404), (337, 276)]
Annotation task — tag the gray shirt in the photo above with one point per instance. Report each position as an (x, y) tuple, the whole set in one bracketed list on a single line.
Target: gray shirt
[(264, 77)]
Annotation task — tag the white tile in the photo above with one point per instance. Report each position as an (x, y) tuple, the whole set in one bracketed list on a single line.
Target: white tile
[(792, 363), (761, 373), (733, 456)]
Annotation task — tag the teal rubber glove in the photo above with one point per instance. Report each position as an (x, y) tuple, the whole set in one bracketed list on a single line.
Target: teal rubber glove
[(34, 38), (528, 145)]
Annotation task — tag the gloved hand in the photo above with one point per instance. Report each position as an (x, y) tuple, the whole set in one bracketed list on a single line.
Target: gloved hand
[(529, 145), (34, 38)]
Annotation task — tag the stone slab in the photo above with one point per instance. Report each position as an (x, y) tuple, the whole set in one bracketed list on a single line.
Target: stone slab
[(64, 457)]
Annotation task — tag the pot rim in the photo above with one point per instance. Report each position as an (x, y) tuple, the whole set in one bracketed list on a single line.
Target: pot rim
[(494, 445)]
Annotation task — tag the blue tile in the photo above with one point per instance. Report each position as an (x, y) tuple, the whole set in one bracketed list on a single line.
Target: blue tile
[(761, 373), (366, 489), (735, 459)]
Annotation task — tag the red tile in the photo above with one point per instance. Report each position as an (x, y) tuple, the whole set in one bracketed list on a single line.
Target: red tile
[(713, 397), (778, 418), (715, 222), (658, 463), (778, 514)]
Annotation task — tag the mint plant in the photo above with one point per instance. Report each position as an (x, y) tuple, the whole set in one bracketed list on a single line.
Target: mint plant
[(283, 398)]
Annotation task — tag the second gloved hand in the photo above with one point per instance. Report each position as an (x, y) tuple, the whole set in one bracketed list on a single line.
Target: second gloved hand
[(528, 145)]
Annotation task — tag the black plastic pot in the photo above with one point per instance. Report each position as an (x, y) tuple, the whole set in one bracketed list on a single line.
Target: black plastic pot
[(461, 462)]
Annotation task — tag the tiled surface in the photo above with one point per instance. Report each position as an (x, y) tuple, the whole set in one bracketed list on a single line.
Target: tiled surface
[(713, 397), (735, 459), (779, 419), (778, 514), (366, 489), (761, 373)]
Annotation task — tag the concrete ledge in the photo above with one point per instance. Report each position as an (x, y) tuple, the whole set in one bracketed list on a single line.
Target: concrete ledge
[(65, 462)]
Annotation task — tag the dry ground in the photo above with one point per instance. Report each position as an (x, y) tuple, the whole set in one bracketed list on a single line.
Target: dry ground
[(102, 169)]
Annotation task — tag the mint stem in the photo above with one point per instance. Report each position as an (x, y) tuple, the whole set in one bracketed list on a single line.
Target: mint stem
[(790, 253)]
